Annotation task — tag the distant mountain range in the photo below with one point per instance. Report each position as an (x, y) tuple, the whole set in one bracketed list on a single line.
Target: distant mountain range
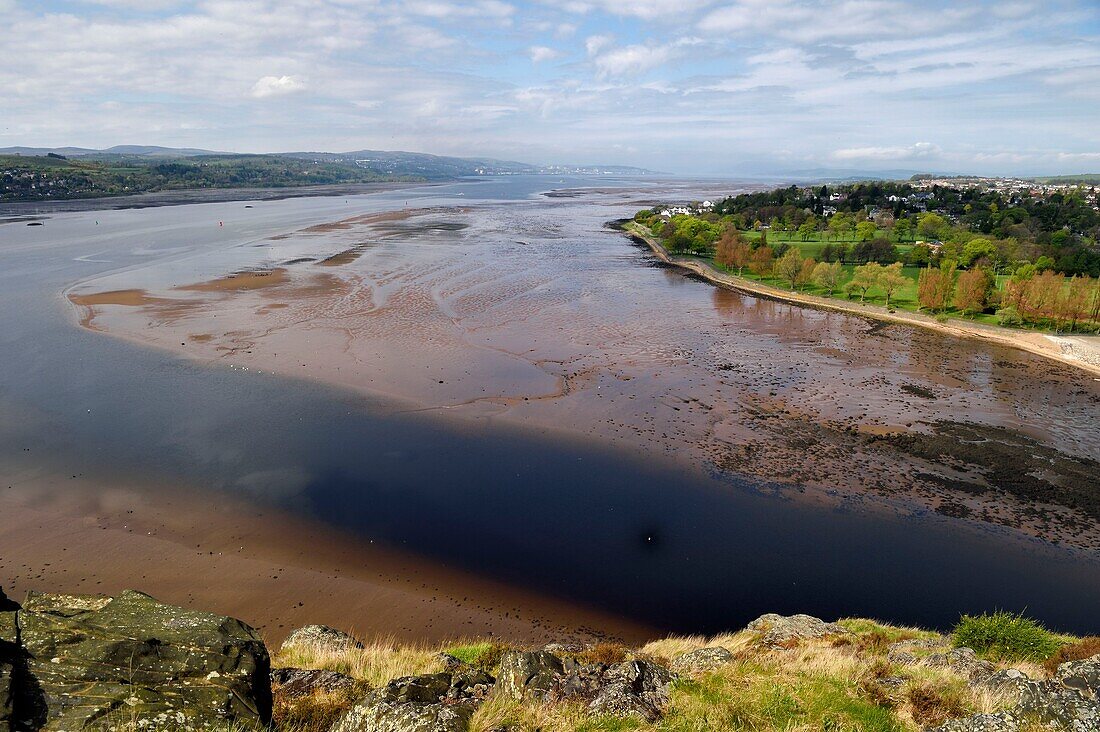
[(381, 162)]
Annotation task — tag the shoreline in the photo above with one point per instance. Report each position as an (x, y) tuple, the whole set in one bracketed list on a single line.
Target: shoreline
[(1053, 348), (21, 211)]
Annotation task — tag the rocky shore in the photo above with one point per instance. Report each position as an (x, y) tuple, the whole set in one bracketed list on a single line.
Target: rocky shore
[(94, 662)]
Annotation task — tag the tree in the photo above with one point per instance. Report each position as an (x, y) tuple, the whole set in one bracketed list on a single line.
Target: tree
[(931, 225), (919, 255), (976, 250), (1073, 304), (1094, 302), (935, 286), (863, 279), (973, 290), (840, 224), (827, 275), (865, 230), (806, 274), (1041, 297), (761, 262), (807, 228), (789, 266), (732, 251), (890, 280), (903, 229)]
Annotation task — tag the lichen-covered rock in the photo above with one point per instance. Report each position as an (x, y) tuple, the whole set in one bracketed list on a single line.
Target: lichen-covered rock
[(470, 684), (619, 700), (1069, 701), (98, 661), (781, 631), (963, 661), (1084, 676), (372, 715), (450, 663), (1010, 682), (908, 652), (427, 703), (636, 688), (1054, 704), (529, 674), (320, 637), (702, 660), (1000, 722), (299, 682), (580, 682)]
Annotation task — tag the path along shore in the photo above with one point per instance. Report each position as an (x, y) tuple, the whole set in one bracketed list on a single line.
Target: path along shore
[(1080, 351)]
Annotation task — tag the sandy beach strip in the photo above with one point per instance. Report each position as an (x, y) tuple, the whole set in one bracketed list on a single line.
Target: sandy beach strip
[(1082, 352)]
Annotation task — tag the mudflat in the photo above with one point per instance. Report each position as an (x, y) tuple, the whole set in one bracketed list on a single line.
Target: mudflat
[(535, 313)]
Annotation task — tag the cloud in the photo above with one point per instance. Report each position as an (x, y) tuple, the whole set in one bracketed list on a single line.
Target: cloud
[(595, 44), (639, 58), (539, 54), (275, 86), (645, 9), (695, 85), (916, 151)]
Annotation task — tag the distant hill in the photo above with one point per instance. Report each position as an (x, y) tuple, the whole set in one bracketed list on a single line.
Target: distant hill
[(432, 166), (137, 150), (52, 177), (380, 162), (1082, 178), (37, 174)]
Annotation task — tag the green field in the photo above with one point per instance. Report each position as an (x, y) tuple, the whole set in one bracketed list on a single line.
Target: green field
[(904, 299)]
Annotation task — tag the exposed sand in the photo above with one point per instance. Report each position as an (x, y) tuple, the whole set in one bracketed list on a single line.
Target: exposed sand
[(478, 324), (275, 571), (237, 282)]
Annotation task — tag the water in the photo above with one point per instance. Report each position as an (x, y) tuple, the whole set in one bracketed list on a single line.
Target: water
[(579, 518)]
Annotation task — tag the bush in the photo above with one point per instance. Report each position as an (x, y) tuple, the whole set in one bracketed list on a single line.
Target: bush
[(1079, 651), (1009, 318), (1005, 637)]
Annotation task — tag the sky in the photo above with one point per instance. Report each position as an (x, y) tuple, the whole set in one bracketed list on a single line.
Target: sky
[(703, 87)]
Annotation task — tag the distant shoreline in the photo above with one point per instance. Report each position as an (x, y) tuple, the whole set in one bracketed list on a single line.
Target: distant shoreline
[(196, 195), (1047, 346)]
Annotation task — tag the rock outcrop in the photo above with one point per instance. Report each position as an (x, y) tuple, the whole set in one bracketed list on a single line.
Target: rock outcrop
[(93, 661), (318, 637), (299, 682), (442, 702), (783, 631), (637, 689), (1069, 701), (529, 674), (702, 660)]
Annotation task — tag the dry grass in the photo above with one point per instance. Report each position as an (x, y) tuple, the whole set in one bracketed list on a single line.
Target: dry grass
[(1078, 651), (316, 712), (377, 662), (499, 712)]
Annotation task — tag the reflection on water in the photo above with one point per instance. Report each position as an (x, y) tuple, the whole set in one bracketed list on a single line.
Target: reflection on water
[(532, 299)]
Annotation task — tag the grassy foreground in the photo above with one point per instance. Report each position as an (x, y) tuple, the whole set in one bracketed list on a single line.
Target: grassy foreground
[(832, 684)]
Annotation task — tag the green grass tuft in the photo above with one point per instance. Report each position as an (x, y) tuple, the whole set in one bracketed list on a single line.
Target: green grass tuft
[(1003, 636), (469, 653)]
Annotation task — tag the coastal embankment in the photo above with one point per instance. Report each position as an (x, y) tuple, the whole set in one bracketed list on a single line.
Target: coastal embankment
[(1080, 351)]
